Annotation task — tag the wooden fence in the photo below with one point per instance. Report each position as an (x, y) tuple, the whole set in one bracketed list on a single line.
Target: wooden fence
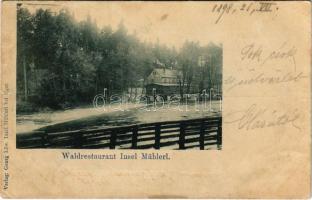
[(195, 133)]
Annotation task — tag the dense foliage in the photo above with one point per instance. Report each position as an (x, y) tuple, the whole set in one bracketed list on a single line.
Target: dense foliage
[(62, 62)]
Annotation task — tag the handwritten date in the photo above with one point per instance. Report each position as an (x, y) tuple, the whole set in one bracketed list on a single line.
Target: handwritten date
[(245, 8)]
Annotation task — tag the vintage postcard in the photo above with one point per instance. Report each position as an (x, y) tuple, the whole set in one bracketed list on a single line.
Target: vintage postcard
[(155, 99)]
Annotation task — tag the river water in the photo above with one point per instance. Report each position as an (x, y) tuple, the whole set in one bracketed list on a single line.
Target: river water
[(116, 115)]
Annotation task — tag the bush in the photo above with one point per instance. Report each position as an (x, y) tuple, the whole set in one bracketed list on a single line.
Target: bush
[(26, 107)]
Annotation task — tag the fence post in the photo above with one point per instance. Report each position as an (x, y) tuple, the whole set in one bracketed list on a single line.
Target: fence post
[(202, 135), (157, 137), (219, 134), (113, 138), (182, 136), (44, 139), (78, 140), (135, 137)]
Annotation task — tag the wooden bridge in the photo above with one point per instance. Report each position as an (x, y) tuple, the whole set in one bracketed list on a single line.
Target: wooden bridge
[(195, 133)]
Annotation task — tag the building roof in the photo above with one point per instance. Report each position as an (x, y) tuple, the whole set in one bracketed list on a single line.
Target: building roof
[(165, 84), (163, 77), (168, 73)]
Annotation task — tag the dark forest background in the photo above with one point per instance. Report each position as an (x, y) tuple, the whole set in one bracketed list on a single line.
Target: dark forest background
[(64, 63)]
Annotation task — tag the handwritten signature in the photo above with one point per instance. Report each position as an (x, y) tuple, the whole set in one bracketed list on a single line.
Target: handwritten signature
[(256, 117)]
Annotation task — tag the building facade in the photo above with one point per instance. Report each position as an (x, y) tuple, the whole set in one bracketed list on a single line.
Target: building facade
[(164, 81)]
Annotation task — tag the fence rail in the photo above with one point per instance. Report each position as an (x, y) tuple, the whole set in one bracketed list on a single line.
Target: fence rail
[(185, 134)]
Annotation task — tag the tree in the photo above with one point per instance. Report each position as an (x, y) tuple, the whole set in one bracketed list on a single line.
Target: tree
[(188, 64), (25, 34), (73, 61)]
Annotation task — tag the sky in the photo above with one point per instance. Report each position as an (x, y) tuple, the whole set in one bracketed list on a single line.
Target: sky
[(170, 23)]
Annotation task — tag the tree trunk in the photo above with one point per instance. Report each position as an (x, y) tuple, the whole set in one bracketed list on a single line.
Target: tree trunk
[(25, 79)]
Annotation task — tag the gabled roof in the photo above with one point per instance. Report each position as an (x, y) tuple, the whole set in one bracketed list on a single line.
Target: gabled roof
[(168, 73), (165, 84)]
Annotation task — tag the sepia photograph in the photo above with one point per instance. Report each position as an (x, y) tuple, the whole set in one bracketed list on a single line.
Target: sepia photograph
[(82, 84)]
